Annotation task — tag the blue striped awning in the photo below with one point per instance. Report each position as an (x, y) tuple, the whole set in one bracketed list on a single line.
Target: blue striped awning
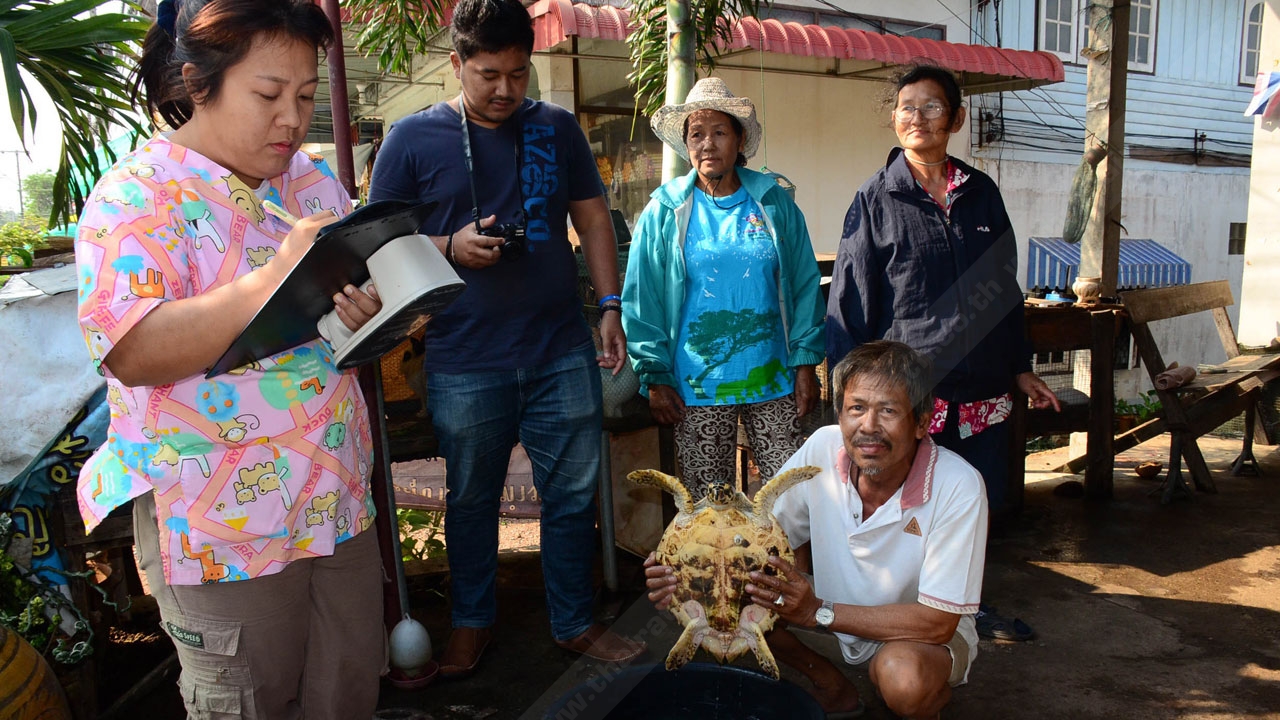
[(1052, 264)]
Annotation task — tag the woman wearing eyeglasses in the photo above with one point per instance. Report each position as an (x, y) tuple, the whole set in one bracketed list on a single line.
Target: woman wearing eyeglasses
[(928, 258)]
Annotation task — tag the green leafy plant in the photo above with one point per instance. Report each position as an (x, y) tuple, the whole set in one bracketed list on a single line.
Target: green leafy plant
[(420, 533), (396, 30), (19, 241), (33, 608), (1144, 408), (1038, 443), (1148, 406)]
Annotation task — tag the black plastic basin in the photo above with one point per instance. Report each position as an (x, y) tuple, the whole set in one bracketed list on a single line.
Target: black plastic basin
[(698, 691)]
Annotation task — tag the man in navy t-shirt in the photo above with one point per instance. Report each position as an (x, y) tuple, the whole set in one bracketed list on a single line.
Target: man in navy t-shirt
[(512, 359)]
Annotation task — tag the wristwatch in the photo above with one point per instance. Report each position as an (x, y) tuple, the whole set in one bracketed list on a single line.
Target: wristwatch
[(825, 615)]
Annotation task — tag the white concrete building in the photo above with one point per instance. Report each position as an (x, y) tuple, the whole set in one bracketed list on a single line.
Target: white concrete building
[(1260, 303)]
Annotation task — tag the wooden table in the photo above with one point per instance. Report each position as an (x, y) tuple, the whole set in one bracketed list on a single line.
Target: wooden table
[(1059, 329)]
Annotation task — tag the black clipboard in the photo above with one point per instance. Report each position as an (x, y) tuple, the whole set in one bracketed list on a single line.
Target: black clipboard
[(337, 258)]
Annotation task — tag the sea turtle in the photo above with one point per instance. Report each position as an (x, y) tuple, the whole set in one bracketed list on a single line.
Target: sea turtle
[(712, 545)]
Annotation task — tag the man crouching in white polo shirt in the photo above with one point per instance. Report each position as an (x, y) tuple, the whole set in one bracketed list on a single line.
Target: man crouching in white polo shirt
[(895, 528)]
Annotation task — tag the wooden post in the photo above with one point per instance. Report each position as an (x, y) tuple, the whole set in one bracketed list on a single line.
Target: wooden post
[(1108, 53), (338, 102), (1098, 480), (680, 65), (395, 604)]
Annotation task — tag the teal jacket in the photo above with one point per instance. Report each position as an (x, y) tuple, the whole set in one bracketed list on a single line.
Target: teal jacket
[(653, 293)]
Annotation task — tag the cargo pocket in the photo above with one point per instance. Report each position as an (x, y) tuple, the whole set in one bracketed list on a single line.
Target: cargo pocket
[(215, 684)]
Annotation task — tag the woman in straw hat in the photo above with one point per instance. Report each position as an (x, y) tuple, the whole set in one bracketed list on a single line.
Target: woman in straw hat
[(721, 303)]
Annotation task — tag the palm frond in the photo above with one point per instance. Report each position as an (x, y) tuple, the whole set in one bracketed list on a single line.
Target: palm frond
[(711, 24), (396, 30), (83, 62)]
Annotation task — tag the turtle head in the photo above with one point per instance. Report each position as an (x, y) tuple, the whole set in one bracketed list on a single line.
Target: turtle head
[(720, 492)]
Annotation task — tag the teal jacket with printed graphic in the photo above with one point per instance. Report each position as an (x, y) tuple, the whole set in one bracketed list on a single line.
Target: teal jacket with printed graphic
[(653, 293)]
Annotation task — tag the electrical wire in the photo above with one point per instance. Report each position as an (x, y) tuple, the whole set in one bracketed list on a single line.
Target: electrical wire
[(871, 21), (1059, 109)]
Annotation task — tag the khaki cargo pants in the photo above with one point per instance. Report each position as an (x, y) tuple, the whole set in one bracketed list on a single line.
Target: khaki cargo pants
[(305, 642)]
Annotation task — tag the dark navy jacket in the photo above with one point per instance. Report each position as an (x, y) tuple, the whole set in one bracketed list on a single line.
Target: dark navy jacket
[(947, 287)]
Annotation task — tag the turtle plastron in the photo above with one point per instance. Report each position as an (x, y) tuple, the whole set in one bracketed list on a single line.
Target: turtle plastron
[(713, 545)]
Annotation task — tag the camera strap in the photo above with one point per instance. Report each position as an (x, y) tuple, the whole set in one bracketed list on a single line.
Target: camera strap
[(471, 173)]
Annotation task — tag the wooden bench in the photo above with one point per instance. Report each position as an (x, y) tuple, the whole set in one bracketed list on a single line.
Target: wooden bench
[(1210, 399)]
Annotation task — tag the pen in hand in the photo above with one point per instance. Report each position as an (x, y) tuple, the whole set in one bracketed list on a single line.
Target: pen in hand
[(279, 212)]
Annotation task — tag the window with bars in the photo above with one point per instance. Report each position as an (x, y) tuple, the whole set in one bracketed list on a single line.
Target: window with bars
[(1250, 42), (1235, 239)]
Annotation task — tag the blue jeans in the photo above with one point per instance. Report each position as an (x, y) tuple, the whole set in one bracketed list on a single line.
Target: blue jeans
[(554, 411)]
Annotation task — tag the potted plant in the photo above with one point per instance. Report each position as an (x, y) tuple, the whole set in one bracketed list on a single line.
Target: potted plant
[(1125, 417)]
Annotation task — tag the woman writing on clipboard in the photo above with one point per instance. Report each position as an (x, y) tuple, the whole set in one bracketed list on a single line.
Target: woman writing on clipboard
[(250, 488)]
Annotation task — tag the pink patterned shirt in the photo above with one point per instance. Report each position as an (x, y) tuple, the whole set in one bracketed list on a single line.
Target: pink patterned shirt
[(974, 416), (955, 178), (253, 469)]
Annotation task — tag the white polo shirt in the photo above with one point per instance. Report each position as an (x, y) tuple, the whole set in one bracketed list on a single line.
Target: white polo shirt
[(927, 544)]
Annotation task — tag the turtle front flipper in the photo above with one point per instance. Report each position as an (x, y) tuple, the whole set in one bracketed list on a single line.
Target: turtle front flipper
[(690, 640), (765, 497), (663, 481)]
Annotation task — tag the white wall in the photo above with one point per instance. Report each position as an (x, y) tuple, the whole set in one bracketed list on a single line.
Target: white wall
[(826, 135), (1260, 313)]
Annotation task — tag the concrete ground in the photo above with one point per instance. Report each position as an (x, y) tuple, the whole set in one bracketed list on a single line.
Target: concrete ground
[(1143, 611)]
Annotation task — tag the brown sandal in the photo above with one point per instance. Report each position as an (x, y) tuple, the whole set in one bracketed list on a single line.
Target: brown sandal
[(461, 656), (601, 643)]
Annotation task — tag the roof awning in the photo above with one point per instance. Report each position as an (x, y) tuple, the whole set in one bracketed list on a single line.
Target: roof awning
[(981, 68), (1052, 264)]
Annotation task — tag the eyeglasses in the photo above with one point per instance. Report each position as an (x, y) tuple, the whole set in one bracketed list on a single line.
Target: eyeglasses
[(931, 111)]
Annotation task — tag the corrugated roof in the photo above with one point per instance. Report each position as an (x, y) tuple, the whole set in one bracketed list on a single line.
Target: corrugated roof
[(1052, 263), (555, 21)]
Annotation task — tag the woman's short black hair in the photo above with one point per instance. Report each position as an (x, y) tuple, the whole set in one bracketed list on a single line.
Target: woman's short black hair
[(213, 35), (490, 26), (913, 74), (741, 160)]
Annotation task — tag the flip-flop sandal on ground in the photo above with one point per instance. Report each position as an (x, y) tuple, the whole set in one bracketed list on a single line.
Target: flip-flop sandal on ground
[(993, 627), (849, 714)]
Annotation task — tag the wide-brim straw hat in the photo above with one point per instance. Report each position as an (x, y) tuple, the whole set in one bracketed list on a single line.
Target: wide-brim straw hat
[(707, 94)]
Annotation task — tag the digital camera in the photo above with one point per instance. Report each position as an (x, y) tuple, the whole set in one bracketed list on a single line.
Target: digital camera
[(514, 242)]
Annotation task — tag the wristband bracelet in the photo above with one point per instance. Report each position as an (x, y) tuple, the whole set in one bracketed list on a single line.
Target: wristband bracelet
[(610, 298), (606, 308), (448, 249)]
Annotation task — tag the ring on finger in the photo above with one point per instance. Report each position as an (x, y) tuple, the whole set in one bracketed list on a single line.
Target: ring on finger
[(780, 601)]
